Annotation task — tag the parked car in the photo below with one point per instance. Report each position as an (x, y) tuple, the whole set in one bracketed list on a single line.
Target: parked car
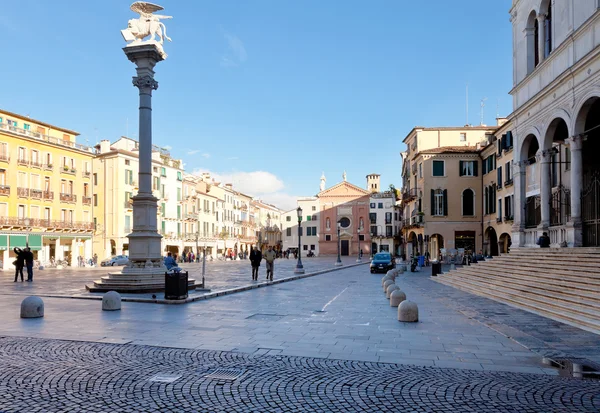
[(382, 262), (116, 260)]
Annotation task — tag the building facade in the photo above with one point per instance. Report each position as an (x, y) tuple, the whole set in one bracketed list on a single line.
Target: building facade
[(556, 119), (45, 191)]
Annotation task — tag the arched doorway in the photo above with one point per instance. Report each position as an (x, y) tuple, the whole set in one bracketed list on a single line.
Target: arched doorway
[(588, 127), (504, 244), (412, 244), (436, 244), (113, 247), (491, 239), (556, 195)]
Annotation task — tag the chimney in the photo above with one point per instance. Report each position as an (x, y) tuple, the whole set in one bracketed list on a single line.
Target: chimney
[(104, 146)]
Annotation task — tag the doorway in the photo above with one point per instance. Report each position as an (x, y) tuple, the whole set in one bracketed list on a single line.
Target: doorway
[(345, 247)]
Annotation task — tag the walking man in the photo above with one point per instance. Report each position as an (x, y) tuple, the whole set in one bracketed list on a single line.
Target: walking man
[(255, 259), (19, 263), (29, 263), (270, 256)]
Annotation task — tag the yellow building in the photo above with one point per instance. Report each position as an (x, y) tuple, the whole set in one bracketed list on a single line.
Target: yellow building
[(45, 190)]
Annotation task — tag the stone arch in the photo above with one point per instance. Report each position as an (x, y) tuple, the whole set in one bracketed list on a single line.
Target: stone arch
[(527, 144), (491, 238), (436, 244), (550, 129), (582, 110), (504, 243)]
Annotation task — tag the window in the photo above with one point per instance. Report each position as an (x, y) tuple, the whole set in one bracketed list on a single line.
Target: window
[(439, 202), (344, 222), (127, 223), (463, 137), (438, 168), (314, 217), (179, 176), (373, 217), (499, 177), (388, 231), (178, 211), (128, 176), (374, 230), (312, 247), (380, 205), (163, 208), (468, 168), (163, 171), (155, 183), (95, 199), (309, 217), (311, 231), (305, 247), (178, 194), (288, 218), (127, 162), (95, 179), (508, 174), (327, 237), (388, 217), (499, 217), (468, 203), (548, 31), (22, 154), (489, 164), (372, 205), (288, 232), (361, 237), (314, 208), (489, 200), (421, 170), (508, 207)]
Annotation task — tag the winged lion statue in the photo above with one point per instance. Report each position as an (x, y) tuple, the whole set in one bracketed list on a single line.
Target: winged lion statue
[(148, 24)]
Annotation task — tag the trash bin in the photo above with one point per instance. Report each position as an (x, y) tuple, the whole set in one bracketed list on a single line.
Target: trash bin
[(436, 268), (176, 285), (421, 260)]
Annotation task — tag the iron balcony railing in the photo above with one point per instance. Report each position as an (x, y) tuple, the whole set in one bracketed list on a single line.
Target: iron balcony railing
[(68, 197), (46, 138), (25, 223)]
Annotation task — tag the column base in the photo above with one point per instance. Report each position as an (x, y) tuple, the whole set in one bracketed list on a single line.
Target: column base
[(518, 235), (574, 234), (338, 264)]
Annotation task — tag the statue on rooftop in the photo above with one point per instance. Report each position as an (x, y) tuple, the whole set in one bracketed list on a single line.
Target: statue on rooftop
[(147, 24)]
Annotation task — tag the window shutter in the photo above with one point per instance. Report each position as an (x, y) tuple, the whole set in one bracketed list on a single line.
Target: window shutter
[(445, 200), (432, 202), (475, 167), (460, 168)]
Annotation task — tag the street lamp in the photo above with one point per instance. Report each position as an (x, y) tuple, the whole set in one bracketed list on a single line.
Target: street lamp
[(339, 258), (299, 268), (27, 229), (359, 259)]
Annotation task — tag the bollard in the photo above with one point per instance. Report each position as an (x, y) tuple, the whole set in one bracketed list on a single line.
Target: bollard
[(111, 301), (385, 278), (387, 284), (32, 307), (390, 289), (397, 297), (408, 312)]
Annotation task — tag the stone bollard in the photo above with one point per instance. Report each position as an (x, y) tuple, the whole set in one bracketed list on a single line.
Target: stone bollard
[(397, 297), (387, 284), (390, 289), (391, 274), (32, 307), (111, 301), (408, 312), (385, 278)]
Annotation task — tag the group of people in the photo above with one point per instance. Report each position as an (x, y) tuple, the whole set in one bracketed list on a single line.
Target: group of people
[(256, 257), (24, 259)]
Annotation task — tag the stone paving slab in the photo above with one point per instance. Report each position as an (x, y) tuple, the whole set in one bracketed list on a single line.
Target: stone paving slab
[(59, 376)]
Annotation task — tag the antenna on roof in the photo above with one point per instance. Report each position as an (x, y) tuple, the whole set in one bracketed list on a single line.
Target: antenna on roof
[(482, 107)]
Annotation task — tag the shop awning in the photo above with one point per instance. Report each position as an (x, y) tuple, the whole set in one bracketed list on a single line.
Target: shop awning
[(35, 242), (3, 242), (18, 241)]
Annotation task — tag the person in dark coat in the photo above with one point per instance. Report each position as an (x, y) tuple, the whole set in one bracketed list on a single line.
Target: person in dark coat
[(255, 259), (544, 241), (29, 263), (19, 262)]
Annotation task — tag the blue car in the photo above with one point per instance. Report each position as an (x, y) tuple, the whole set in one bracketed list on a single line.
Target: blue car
[(382, 262)]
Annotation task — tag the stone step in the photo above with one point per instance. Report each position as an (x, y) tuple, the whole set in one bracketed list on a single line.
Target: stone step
[(574, 269), (563, 274), (136, 282), (100, 287), (547, 310), (542, 257), (589, 299), (566, 251)]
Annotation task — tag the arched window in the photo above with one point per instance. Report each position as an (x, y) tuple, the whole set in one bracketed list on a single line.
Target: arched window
[(536, 42), (532, 41), (548, 31), (468, 203)]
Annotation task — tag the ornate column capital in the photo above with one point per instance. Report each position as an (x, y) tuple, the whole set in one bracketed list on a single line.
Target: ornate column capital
[(542, 17), (576, 142), (546, 155), (519, 167), (145, 82)]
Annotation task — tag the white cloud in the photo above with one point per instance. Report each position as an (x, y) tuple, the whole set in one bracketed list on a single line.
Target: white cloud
[(259, 184), (236, 52), (195, 151), (206, 155)]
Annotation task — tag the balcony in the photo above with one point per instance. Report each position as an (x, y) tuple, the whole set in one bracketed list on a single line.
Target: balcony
[(36, 193), (68, 170), (22, 161), (68, 198), (48, 167), (190, 217), (36, 164), (87, 200), (128, 204), (4, 190), (23, 192), (499, 220), (28, 223), (45, 138), (409, 194), (86, 174), (4, 157), (48, 195), (508, 183)]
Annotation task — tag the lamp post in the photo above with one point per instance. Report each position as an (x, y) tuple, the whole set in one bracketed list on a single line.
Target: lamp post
[(299, 268), (359, 259), (27, 221), (339, 258)]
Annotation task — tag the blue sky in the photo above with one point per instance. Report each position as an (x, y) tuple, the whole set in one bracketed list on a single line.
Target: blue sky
[(266, 93)]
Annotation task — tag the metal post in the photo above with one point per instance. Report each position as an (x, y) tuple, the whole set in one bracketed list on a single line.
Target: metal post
[(203, 265), (359, 259), (299, 268), (339, 258)]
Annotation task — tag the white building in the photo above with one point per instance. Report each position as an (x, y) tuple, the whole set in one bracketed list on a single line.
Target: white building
[(310, 227), (556, 114), (384, 218)]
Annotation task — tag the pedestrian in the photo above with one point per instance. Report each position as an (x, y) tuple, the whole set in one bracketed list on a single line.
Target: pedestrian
[(19, 263), (544, 241), (28, 263), (255, 259), (95, 259), (170, 261), (270, 256)]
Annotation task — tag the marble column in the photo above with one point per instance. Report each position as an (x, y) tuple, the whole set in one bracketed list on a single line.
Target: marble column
[(545, 159), (530, 39), (541, 18), (518, 228), (575, 227), (145, 241)]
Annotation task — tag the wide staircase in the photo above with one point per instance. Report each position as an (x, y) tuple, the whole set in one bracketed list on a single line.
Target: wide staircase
[(559, 283)]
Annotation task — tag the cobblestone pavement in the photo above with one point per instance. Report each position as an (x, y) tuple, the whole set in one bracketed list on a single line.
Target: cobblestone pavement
[(220, 275), (59, 376)]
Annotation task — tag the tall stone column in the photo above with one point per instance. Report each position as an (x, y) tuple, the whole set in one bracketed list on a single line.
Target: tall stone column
[(575, 227), (518, 228), (145, 241), (545, 158), (541, 18)]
